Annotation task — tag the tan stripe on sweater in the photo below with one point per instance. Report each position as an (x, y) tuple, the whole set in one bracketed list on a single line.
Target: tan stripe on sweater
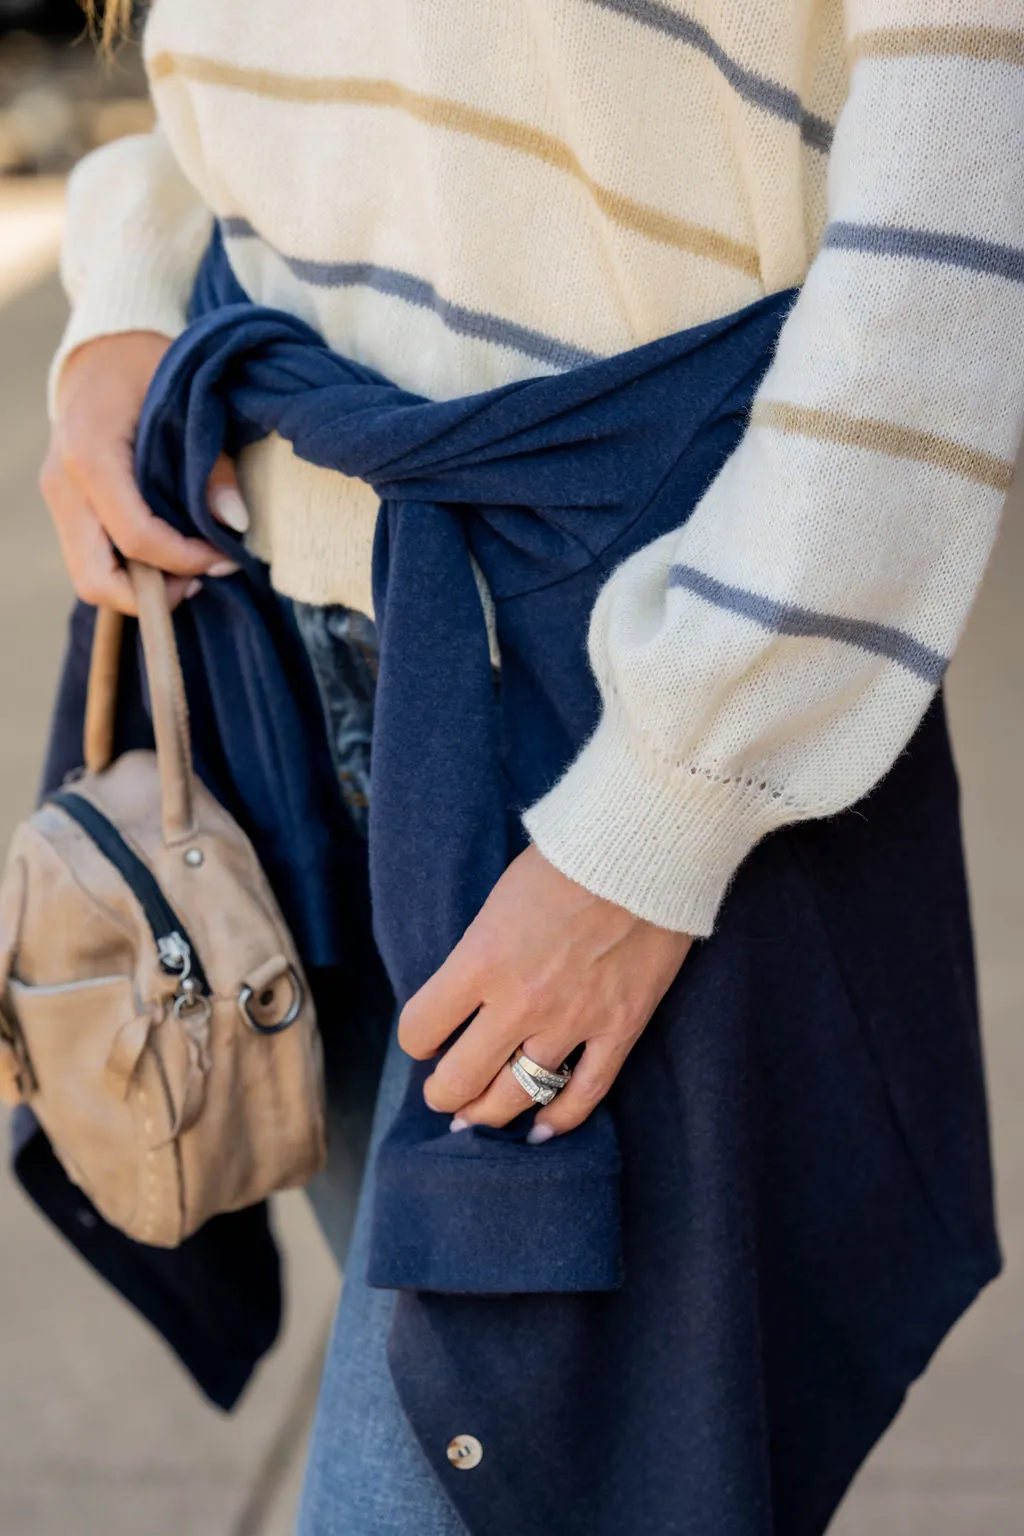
[(457, 117), (885, 437), (988, 45)]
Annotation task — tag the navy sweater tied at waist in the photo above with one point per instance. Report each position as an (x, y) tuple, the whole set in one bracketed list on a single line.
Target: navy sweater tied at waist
[(697, 1312), (547, 484)]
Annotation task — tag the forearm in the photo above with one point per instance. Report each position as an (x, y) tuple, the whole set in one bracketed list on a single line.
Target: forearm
[(136, 231), (769, 661)]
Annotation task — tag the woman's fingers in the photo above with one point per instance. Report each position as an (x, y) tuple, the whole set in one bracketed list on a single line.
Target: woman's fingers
[(97, 575), (180, 588), (88, 479), (96, 506), (504, 1098), (224, 497), (442, 1003), (591, 1081), (104, 476), (549, 965), (475, 1060)]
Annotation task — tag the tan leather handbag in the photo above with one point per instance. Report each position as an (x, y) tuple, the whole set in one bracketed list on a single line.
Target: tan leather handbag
[(153, 1009)]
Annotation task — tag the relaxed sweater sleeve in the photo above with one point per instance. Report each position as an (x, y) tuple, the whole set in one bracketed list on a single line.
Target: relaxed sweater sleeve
[(769, 661), (136, 231)]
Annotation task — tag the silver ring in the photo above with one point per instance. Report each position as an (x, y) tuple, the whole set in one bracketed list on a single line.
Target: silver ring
[(295, 1007), (539, 1082), (548, 1077)]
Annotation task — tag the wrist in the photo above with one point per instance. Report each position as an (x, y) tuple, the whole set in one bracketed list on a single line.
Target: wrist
[(138, 352), (661, 839)]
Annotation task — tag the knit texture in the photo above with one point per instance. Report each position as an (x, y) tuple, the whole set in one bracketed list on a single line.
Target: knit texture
[(462, 195)]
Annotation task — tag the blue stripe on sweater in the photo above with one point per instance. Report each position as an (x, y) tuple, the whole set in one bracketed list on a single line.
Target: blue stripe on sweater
[(987, 256), (777, 100), (478, 325), (789, 619)]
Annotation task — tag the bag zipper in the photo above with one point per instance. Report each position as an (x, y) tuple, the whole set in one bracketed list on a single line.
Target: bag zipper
[(178, 955)]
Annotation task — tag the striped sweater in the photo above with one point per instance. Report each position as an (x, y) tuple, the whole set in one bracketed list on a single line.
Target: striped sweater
[(463, 193)]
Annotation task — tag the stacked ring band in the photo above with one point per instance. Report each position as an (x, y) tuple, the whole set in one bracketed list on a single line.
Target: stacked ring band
[(539, 1082)]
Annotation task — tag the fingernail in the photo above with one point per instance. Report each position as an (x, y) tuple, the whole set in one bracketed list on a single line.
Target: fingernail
[(223, 568), (194, 586), (228, 508), (458, 1124), (539, 1134)]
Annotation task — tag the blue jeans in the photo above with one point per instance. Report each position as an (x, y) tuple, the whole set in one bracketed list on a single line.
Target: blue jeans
[(366, 1474)]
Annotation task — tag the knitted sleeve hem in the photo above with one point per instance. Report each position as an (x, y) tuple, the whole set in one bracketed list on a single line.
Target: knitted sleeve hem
[(136, 232), (662, 841), (138, 301)]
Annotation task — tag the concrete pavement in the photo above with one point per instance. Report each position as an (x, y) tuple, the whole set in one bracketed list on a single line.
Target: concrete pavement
[(100, 1435)]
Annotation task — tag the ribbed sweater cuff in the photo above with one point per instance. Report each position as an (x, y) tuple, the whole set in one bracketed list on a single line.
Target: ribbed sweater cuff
[(662, 841), (141, 295)]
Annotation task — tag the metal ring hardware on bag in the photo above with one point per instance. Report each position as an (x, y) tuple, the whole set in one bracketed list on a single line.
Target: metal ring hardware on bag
[(540, 1083), (171, 964), (174, 756), (245, 997)]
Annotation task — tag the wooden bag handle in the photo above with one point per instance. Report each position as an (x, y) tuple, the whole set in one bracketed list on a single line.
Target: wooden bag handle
[(167, 697)]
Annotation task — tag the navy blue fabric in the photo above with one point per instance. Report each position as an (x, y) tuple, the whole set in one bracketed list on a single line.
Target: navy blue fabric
[(548, 483), (216, 1300), (806, 1210), (257, 732), (695, 1314)]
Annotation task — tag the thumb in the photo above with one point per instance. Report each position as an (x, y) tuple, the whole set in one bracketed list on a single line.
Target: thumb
[(224, 497)]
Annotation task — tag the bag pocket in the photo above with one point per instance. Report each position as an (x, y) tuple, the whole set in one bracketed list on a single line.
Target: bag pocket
[(105, 1130)]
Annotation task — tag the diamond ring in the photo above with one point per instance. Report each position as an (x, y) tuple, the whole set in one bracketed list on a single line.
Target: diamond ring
[(539, 1082)]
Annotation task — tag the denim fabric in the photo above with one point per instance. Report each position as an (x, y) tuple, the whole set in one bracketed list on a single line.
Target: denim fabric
[(366, 1474), (342, 646), (353, 1059)]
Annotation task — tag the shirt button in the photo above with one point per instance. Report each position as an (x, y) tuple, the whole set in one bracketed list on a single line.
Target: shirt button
[(465, 1452)]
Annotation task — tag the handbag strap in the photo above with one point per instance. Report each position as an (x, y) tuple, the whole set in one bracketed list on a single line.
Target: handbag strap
[(167, 698)]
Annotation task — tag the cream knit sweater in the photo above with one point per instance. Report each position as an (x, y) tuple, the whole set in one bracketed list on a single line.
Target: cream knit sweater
[(464, 192)]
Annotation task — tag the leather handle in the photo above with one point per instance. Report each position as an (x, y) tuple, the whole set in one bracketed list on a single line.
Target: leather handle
[(101, 695), (166, 692)]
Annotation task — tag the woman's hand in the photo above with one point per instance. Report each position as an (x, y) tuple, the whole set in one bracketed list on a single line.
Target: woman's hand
[(88, 480), (550, 967)]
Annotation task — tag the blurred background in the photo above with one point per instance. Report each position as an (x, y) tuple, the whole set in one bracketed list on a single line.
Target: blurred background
[(100, 1432)]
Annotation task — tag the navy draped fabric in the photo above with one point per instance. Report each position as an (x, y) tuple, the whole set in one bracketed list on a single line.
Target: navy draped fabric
[(696, 1313), (547, 484)]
